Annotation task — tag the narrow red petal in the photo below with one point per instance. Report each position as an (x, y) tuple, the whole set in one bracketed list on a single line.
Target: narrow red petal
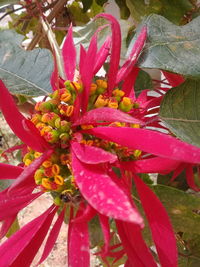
[(152, 165), (129, 83), (86, 72), (102, 54), (133, 258), (149, 141), (106, 114), (115, 50), (8, 171), (27, 174), (21, 248), (133, 57), (69, 55), (102, 193), (53, 235), (78, 244), (16, 121), (9, 206), (104, 221), (174, 79), (162, 231), (92, 155)]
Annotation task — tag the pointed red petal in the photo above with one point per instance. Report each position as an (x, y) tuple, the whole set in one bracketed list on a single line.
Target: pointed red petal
[(115, 50), (106, 114), (162, 231), (78, 244), (86, 72), (174, 79), (8, 171), (91, 154), (21, 247), (104, 221), (102, 193), (152, 165), (27, 174), (16, 121), (69, 55), (102, 55), (10, 206), (133, 57), (130, 246), (129, 83), (53, 235), (149, 141)]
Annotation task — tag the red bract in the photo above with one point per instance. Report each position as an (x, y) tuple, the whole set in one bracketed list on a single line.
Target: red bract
[(75, 140)]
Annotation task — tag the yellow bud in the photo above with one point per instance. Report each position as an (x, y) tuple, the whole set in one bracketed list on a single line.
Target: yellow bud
[(27, 162), (118, 92), (37, 154), (86, 127), (55, 169), (101, 83), (46, 184), (101, 102), (137, 153), (113, 104), (93, 88), (58, 180), (47, 164)]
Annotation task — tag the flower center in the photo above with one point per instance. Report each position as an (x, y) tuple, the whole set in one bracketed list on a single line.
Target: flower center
[(52, 117)]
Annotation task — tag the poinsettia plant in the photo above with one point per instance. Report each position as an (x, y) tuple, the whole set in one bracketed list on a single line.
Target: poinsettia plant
[(93, 140)]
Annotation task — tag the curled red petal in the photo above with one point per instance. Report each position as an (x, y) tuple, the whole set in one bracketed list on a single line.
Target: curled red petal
[(133, 57), (69, 55), (102, 193), (91, 154), (17, 121), (115, 50), (106, 114), (161, 228), (149, 141)]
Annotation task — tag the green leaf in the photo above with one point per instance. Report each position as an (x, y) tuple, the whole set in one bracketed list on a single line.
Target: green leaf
[(181, 208), (24, 72), (124, 10), (86, 4), (8, 2), (143, 81), (174, 10), (170, 47), (14, 228), (180, 111)]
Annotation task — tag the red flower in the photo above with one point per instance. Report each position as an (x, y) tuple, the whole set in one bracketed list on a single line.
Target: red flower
[(74, 140)]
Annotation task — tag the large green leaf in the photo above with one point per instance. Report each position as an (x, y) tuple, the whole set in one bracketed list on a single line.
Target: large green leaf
[(170, 47), (181, 208), (24, 72), (180, 111), (174, 10)]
